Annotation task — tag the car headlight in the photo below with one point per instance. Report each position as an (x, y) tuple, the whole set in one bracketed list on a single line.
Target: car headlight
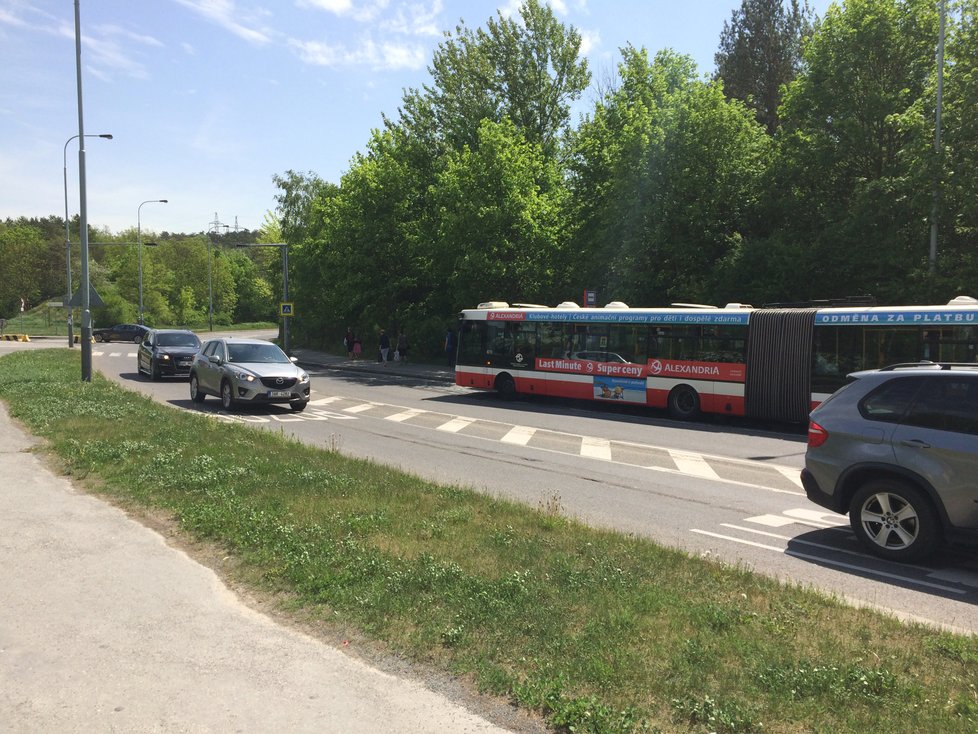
[(303, 378), (165, 357), (244, 376)]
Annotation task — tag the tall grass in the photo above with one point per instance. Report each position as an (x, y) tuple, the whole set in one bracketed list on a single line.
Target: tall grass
[(598, 631)]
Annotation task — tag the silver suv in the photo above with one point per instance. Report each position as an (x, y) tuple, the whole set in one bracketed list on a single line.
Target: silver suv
[(897, 449), (247, 371)]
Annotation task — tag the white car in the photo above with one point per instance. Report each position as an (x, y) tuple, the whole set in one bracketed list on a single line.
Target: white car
[(251, 371)]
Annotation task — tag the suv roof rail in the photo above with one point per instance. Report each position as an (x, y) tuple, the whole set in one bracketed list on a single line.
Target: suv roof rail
[(924, 363)]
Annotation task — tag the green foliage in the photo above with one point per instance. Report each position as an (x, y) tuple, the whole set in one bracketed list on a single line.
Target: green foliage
[(761, 51)]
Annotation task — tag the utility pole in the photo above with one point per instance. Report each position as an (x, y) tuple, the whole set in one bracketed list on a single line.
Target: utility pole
[(936, 206)]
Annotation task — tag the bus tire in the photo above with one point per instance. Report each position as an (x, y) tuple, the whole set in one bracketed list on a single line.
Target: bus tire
[(506, 387), (684, 403)]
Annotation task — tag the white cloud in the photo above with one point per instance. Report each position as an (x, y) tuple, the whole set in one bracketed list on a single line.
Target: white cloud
[(416, 19), (384, 55), (231, 18), (590, 41), (363, 11)]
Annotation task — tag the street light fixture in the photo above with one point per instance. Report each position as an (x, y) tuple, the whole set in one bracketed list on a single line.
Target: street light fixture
[(285, 284), (107, 136), (139, 245)]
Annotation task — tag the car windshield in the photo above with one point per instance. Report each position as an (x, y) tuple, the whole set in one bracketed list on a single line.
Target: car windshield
[(177, 340), (256, 353)]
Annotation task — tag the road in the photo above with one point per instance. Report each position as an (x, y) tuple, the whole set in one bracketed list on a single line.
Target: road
[(728, 491), (724, 490)]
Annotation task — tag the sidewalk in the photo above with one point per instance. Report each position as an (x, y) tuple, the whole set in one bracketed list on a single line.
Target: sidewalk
[(104, 627)]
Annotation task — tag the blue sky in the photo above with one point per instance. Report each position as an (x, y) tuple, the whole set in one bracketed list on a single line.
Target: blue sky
[(208, 99)]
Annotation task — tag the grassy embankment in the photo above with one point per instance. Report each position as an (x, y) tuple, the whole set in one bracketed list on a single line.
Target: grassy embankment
[(598, 631)]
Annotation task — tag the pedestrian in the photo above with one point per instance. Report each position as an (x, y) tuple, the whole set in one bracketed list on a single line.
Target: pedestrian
[(450, 346), (357, 347), (402, 346), (385, 346), (348, 340)]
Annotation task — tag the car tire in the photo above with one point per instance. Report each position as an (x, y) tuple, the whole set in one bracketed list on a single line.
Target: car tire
[(99, 338), (154, 370), (684, 403), (196, 394), (894, 520), (137, 339), (227, 395), (298, 405)]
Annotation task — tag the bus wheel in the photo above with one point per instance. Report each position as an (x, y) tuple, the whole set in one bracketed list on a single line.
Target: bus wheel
[(506, 387), (684, 403)]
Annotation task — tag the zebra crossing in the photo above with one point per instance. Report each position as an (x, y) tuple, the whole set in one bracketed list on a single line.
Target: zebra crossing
[(773, 477)]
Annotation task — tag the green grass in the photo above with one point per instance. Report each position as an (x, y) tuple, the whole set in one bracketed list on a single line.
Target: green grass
[(597, 631)]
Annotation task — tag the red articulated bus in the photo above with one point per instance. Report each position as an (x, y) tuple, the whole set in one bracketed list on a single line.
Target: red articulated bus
[(766, 363)]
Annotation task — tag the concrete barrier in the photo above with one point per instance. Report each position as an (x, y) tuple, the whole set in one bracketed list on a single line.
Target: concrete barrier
[(15, 338)]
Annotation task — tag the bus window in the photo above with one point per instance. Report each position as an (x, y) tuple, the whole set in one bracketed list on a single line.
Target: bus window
[(472, 342), (553, 340), (723, 344), (627, 343)]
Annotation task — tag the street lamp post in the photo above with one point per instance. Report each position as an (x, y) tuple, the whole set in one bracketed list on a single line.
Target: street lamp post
[(107, 136), (285, 284), (139, 245)]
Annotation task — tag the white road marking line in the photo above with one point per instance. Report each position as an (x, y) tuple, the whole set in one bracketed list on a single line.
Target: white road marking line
[(596, 448), (456, 424), (790, 473), (828, 561), (360, 408), (519, 435), (693, 464), (404, 415), (325, 401)]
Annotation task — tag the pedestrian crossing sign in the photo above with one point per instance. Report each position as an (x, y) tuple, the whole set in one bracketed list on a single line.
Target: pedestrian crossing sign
[(286, 310)]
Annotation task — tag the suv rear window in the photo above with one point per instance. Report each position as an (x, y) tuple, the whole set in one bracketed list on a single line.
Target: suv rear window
[(889, 402)]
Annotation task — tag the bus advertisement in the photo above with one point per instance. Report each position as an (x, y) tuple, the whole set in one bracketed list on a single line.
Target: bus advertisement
[(772, 364)]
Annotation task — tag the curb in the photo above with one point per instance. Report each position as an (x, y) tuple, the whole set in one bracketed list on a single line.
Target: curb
[(15, 338)]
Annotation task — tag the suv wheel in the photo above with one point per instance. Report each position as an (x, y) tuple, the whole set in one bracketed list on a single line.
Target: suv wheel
[(227, 396), (196, 394), (893, 520)]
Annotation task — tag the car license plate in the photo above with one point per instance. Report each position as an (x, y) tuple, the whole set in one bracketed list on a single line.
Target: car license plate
[(278, 393), (184, 362)]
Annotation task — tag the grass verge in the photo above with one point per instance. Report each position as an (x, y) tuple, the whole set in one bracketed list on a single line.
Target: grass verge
[(597, 631)]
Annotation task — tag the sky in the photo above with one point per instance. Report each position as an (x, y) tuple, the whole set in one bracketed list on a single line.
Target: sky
[(207, 100)]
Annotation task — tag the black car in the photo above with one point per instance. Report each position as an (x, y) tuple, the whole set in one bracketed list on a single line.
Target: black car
[(134, 333), (167, 352)]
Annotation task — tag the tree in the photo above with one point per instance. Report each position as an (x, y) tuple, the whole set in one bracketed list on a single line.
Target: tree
[(850, 193), (501, 227), (665, 183), (23, 270), (528, 71), (761, 51)]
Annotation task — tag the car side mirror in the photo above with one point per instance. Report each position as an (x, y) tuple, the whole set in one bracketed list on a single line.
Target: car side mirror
[(215, 358), (294, 360)]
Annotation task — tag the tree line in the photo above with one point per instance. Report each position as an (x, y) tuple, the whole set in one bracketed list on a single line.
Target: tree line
[(803, 168), (181, 273)]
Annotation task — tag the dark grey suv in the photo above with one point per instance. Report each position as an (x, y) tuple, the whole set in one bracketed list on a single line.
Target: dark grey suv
[(897, 449)]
